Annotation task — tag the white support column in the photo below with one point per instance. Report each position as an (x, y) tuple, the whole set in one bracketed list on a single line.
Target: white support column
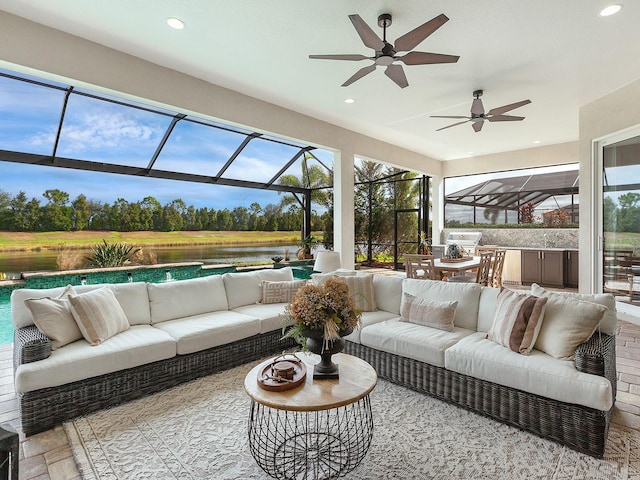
[(437, 209), (343, 207)]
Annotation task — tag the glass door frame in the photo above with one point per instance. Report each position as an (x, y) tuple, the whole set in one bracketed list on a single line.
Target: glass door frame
[(598, 145)]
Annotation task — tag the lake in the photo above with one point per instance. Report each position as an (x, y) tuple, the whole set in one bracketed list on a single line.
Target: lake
[(12, 263)]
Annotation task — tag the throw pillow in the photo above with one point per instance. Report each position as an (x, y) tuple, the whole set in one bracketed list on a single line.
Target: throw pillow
[(53, 317), (517, 320), (429, 313), (361, 291), (98, 315), (567, 323), (280, 292)]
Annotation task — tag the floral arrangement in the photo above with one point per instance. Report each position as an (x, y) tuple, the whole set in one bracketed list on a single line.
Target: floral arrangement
[(327, 307)]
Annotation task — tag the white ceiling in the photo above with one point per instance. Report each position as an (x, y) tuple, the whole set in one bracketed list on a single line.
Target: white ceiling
[(559, 54)]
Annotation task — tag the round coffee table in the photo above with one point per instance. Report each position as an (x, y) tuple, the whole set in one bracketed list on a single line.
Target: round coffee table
[(321, 429)]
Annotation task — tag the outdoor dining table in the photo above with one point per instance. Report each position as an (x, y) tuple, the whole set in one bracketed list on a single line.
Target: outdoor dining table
[(455, 268)]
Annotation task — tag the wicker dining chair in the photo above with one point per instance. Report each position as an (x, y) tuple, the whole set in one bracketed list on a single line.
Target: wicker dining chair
[(481, 276), (420, 266)]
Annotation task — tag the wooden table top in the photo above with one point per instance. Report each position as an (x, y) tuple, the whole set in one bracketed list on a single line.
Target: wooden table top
[(357, 380)]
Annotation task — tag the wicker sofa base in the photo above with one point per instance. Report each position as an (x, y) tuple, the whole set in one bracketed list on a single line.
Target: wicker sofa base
[(45, 408), (580, 428)]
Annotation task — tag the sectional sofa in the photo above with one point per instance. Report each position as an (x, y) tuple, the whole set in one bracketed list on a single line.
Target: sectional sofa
[(557, 379)]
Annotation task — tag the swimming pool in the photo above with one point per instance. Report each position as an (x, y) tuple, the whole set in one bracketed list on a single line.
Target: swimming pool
[(6, 326)]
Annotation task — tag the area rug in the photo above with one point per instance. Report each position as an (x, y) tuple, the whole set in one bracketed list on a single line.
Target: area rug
[(199, 431)]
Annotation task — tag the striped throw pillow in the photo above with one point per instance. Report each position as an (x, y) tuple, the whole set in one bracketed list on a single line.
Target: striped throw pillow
[(361, 291), (280, 292), (517, 320), (429, 313), (98, 315)]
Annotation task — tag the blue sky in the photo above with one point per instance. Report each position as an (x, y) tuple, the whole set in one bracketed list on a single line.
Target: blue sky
[(106, 132)]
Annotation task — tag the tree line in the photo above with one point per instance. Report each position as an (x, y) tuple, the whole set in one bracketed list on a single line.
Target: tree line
[(60, 213)]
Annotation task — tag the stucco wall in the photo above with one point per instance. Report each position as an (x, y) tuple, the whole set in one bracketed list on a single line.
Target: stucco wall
[(524, 237)]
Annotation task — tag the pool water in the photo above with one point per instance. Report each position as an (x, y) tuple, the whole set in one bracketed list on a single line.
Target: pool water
[(6, 326)]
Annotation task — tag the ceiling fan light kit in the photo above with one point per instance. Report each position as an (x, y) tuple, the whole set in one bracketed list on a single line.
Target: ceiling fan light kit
[(478, 115), (386, 54)]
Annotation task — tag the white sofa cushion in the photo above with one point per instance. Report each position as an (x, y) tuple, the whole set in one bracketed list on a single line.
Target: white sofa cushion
[(244, 288), (538, 373), (609, 322), (98, 315), (388, 292), (271, 316), (20, 314), (208, 330), (185, 298), (424, 344), (369, 318), (487, 307), (134, 300), (139, 345), (466, 294)]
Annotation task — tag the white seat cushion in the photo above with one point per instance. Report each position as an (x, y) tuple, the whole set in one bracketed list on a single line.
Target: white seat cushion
[(139, 345), (537, 373), (369, 318), (421, 343), (208, 330), (271, 315)]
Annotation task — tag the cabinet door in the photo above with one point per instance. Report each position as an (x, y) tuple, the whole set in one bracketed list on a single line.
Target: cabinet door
[(552, 274), (530, 266), (571, 279)]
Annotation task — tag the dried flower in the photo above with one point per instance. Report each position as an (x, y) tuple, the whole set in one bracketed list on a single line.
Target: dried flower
[(327, 307)]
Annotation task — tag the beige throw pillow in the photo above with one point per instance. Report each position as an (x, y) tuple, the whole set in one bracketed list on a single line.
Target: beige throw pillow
[(429, 313), (280, 292), (361, 291), (567, 323), (53, 318), (98, 315), (517, 320)]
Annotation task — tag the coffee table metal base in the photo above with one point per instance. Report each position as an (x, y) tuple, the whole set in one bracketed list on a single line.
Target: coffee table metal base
[(310, 445)]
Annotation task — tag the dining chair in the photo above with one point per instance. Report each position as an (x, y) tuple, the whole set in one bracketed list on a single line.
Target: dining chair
[(495, 277), (420, 266), (481, 276)]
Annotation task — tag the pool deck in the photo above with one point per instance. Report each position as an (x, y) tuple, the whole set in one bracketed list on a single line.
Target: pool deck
[(48, 456)]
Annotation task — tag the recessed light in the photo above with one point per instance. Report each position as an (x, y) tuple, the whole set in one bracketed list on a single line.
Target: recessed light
[(349, 100), (610, 10), (469, 153), (175, 23), (536, 141)]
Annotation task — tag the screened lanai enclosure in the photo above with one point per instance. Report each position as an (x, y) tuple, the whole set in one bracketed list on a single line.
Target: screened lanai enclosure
[(44, 123), (546, 198)]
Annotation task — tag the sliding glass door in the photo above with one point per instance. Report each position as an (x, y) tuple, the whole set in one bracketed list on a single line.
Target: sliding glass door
[(620, 214)]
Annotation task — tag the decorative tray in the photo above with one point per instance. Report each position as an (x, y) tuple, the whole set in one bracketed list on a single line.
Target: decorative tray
[(282, 373), (455, 260)]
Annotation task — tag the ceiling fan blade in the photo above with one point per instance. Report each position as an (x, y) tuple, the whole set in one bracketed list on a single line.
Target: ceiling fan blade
[(412, 39), (504, 118), (450, 116), (477, 126), (476, 107), (359, 74), (396, 73), (368, 36), (424, 58), (452, 125), (506, 108), (340, 57)]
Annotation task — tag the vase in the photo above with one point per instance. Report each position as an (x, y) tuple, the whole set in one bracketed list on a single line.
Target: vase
[(317, 344)]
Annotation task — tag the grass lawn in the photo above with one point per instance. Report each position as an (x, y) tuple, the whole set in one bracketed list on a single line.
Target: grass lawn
[(86, 239)]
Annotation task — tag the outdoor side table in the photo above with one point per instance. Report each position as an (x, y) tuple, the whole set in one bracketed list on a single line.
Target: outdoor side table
[(319, 430)]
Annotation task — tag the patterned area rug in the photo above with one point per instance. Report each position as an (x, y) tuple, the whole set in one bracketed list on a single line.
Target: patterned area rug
[(199, 431)]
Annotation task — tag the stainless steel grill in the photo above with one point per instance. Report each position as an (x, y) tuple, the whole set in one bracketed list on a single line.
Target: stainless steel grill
[(467, 240)]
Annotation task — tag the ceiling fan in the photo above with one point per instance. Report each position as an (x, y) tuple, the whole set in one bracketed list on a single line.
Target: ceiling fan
[(385, 53), (478, 116)]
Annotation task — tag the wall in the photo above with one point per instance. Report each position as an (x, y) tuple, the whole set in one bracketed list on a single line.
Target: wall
[(523, 237)]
